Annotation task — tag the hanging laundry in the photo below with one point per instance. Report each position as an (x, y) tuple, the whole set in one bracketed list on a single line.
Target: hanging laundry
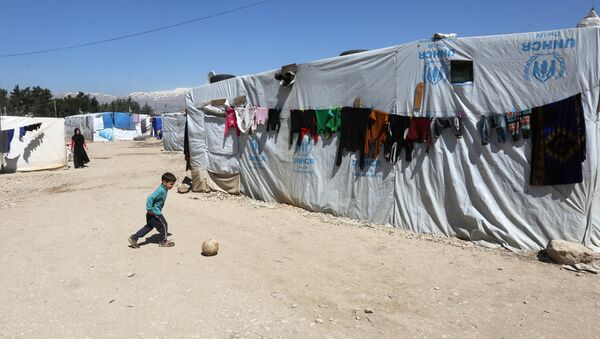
[(524, 123), (419, 130), (29, 128), (353, 133), (303, 122), (262, 114), (273, 123), (329, 121), (377, 132), (32, 127), (518, 124), (244, 117), (5, 139), (558, 143), (230, 121), (454, 123), (487, 122), (395, 141)]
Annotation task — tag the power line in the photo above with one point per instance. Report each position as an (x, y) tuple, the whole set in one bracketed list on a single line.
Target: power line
[(139, 33), (552, 17)]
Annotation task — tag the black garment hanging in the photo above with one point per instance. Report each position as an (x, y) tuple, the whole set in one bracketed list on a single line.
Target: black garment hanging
[(303, 122), (395, 142), (273, 122), (353, 133)]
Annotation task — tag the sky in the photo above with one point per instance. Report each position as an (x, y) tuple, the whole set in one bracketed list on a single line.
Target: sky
[(251, 40)]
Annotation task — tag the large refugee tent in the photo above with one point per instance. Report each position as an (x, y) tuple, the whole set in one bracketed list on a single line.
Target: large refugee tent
[(455, 186), (31, 144), (173, 130)]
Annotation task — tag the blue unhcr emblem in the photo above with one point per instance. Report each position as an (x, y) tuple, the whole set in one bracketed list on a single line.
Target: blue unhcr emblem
[(544, 67), (255, 145), (434, 71), (305, 147)]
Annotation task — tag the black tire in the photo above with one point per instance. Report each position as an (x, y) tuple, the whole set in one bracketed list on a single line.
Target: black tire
[(352, 51), (220, 77)]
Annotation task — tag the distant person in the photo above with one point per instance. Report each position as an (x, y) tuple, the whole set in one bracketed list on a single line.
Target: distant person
[(78, 147), (154, 216)]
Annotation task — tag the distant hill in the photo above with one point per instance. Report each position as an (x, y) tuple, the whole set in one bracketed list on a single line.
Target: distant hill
[(164, 101)]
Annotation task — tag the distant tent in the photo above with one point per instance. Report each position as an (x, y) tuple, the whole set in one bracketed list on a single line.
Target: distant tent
[(173, 128), (34, 149), (109, 126), (85, 123), (591, 19)]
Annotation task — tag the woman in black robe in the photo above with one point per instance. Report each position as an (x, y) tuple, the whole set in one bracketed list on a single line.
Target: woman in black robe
[(78, 147)]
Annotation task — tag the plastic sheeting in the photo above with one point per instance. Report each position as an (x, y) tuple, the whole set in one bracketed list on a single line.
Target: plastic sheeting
[(173, 130), (107, 119), (37, 150), (458, 188), (123, 121), (106, 134)]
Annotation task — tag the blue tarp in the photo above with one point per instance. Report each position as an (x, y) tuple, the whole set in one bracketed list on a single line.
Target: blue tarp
[(107, 134), (124, 121), (107, 120)]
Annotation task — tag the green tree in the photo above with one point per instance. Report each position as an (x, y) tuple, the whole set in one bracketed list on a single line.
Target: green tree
[(3, 99), (16, 101), (81, 103), (41, 102), (146, 109)]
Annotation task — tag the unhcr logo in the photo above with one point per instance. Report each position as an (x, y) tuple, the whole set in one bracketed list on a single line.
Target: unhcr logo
[(303, 162), (434, 72), (255, 145), (305, 147), (544, 67), (255, 154)]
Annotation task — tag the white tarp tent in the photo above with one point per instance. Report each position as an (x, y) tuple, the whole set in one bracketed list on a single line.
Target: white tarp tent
[(41, 149), (458, 188), (109, 126), (173, 131), (85, 123), (127, 126)]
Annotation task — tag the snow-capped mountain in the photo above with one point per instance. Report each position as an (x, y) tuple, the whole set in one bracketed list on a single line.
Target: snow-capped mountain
[(163, 101)]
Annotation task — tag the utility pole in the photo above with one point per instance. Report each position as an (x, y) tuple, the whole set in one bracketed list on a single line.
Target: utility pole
[(55, 112)]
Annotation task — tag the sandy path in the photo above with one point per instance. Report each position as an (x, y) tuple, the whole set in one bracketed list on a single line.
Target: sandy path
[(281, 272)]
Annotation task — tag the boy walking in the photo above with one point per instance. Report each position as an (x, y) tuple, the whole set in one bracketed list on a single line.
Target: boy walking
[(154, 216)]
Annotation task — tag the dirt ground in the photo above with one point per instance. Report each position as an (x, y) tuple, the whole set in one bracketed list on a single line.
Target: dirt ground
[(67, 271)]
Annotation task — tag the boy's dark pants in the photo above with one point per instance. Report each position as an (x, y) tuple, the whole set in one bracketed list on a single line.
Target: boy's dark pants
[(153, 221)]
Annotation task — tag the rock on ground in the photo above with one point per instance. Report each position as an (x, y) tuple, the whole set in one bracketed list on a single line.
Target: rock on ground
[(569, 253)]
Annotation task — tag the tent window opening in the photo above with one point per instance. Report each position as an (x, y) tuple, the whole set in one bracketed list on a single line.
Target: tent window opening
[(461, 71)]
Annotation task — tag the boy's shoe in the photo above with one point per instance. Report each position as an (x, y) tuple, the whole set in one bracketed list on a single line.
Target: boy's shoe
[(133, 242), (166, 243)]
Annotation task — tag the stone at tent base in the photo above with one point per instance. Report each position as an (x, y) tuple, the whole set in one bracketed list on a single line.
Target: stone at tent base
[(210, 247), (183, 188), (569, 253)]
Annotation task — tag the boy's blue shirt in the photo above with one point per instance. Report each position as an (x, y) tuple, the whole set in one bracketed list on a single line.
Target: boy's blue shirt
[(156, 200)]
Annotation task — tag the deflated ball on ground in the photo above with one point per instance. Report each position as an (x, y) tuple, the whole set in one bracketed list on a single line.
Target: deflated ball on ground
[(210, 247)]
